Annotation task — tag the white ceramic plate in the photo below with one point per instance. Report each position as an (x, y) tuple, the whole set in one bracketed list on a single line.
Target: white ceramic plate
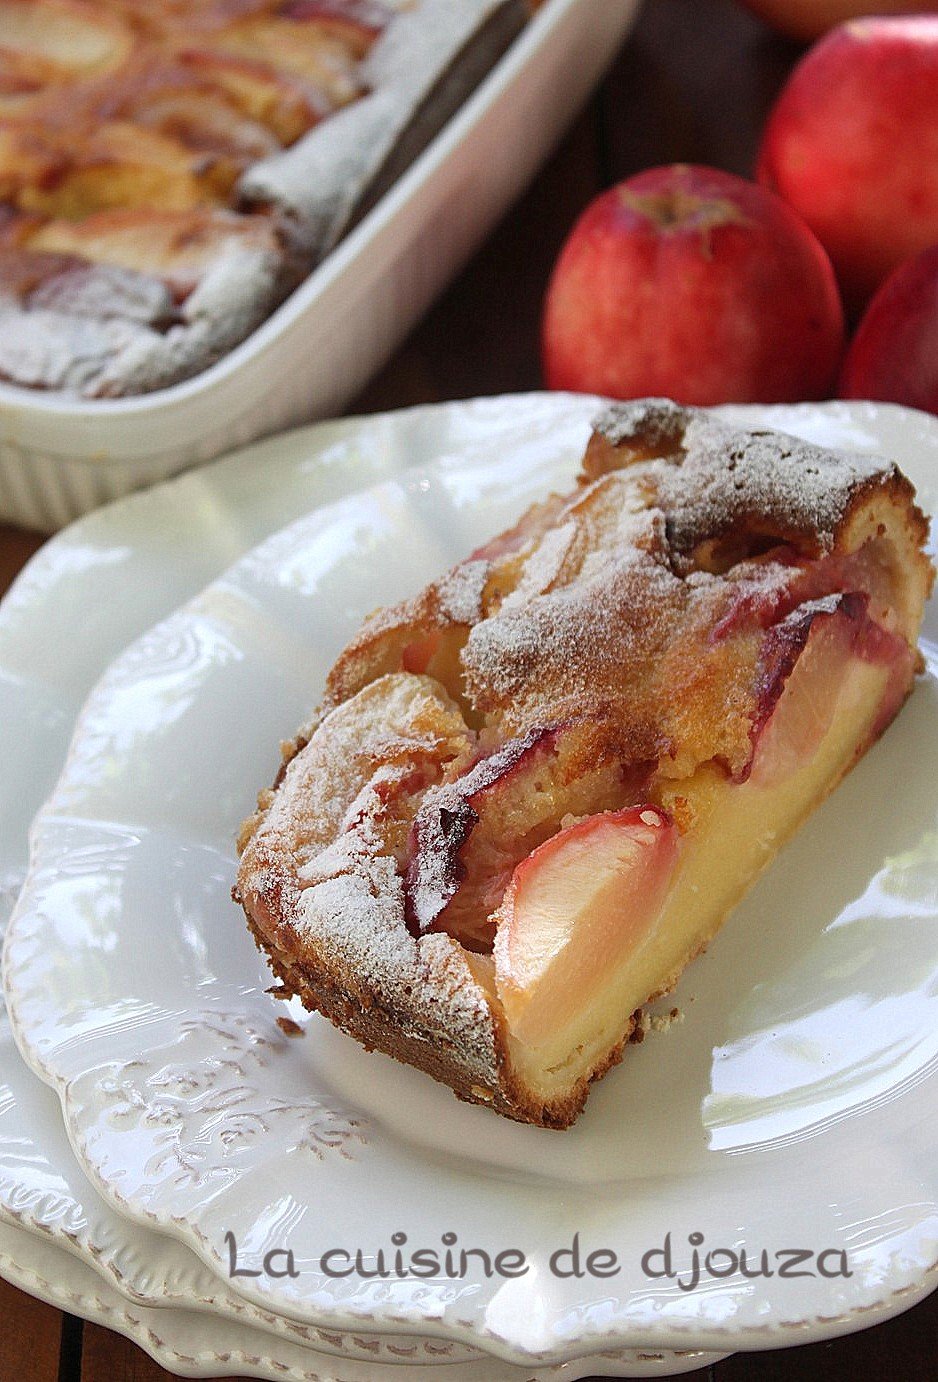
[(160, 546), (108, 577), (196, 1345), (43, 1192), (137, 993), (60, 1241)]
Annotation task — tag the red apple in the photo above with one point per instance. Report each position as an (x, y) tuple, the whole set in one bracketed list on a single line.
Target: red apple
[(694, 284), (852, 145), (811, 18), (894, 355), (575, 909)]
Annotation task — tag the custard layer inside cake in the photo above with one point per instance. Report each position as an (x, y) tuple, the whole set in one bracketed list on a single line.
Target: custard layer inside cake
[(733, 831)]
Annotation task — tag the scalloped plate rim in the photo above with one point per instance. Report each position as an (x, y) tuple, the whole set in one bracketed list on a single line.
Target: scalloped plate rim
[(473, 1335)]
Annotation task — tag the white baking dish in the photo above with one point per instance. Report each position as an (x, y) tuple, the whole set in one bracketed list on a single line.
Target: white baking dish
[(60, 457)]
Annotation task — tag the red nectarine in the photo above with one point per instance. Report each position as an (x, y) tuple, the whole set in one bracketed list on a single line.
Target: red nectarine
[(852, 145), (894, 355), (692, 283)]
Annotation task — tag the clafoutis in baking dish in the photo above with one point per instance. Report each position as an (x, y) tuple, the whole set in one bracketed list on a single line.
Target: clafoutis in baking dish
[(170, 171)]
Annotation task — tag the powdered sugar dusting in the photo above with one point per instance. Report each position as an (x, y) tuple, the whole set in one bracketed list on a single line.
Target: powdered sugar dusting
[(543, 567), (561, 646), (727, 479), (657, 422), (444, 821), (460, 592), (351, 913)]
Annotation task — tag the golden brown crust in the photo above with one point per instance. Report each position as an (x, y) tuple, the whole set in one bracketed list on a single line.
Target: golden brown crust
[(722, 481), (393, 1031), (624, 625), (532, 638)]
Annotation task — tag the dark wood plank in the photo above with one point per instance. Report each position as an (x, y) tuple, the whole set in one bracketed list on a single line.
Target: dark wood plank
[(693, 85), (16, 547), (903, 1348), (30, 1337)]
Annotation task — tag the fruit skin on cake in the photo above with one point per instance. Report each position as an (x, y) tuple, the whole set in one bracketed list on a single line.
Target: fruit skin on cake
[(537, 788), (691, 283), (470, 834), (852, 145), (574, 909), (808, 663)]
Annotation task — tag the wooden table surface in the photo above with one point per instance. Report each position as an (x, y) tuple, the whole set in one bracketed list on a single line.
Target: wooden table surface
[(692, 84)]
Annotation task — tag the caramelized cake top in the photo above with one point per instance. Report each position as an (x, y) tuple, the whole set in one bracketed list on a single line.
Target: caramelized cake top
[(613, 633)]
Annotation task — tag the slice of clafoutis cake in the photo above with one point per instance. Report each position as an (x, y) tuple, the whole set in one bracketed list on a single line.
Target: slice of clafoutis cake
[(534, 792)]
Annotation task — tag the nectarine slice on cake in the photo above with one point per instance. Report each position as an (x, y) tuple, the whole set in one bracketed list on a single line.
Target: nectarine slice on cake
[(578, 906), (471, 833), (274, 99), (814, 661), (357, 22)]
